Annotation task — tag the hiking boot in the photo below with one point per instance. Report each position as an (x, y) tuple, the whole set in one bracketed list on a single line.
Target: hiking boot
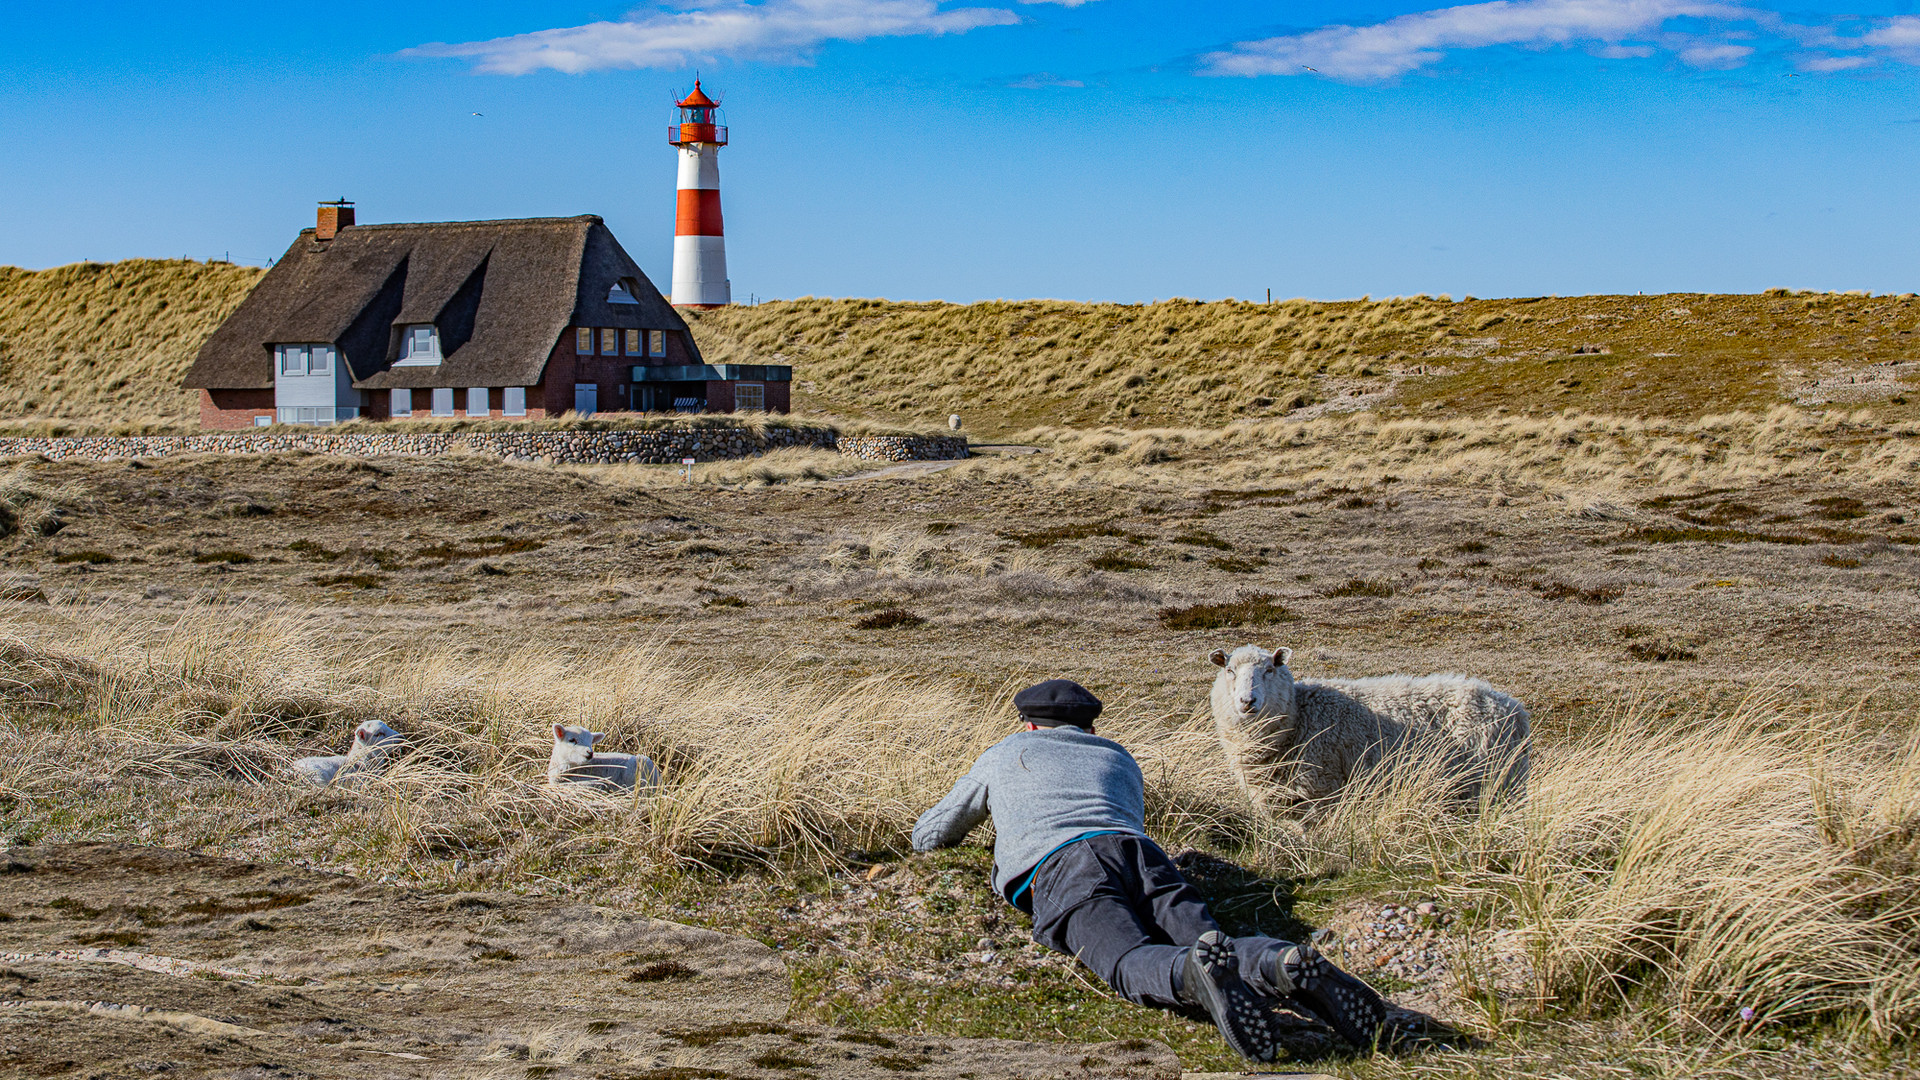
[(1348, 1005), (1211, 980)]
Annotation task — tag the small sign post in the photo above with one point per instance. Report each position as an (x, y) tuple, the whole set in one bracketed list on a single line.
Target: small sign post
[(688, 462)]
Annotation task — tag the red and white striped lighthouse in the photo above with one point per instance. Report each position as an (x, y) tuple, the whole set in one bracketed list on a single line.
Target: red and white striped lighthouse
[(699, 241)]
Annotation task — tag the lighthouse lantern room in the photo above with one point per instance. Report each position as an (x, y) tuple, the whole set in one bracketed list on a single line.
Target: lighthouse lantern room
[(699, 240)]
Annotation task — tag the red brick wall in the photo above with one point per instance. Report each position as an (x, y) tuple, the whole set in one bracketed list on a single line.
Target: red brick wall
[(719, 396), (779, 397), (228, 410)]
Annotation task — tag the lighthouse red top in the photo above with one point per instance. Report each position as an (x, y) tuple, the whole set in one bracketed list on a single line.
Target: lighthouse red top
[(696, 121)]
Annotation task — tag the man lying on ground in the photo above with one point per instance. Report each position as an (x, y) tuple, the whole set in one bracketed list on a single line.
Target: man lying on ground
[(1071, 849)]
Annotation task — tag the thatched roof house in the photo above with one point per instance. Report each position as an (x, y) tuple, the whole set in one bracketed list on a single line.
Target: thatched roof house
[(519, 318)]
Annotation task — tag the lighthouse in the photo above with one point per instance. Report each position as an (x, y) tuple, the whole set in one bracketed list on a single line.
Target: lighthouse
[(699, 241)]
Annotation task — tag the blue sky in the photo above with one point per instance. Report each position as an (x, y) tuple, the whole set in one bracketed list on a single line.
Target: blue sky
[(1101, 150)]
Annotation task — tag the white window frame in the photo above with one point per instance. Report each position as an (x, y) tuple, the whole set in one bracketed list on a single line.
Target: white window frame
[(481, 392), (621, 294), (513, 401), (442, 401), (759, 391), (399, 402), (412, 354), (583, 341), (609, 343), (319, 359), (293, 359), (657, 343), (633, 342)]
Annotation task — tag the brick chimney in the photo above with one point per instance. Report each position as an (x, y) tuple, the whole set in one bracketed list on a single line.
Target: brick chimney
[(334, 216)]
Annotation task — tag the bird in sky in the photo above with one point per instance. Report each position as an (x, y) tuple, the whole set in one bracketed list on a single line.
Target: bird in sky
[(1315, 70), (479, 114)]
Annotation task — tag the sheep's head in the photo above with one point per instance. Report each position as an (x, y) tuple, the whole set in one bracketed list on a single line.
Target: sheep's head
[(574, 745), (372, 733), (1251, 683)]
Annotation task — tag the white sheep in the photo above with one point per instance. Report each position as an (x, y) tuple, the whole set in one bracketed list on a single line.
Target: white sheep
[(372, 742), (575, 762), (1295, 742)]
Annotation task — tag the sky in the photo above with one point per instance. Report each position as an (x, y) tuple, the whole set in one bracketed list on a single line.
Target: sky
[(1115, 150)]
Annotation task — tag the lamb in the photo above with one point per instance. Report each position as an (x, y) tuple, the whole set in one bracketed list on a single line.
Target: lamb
[(1294, 743), (574, 762), (372, 742)]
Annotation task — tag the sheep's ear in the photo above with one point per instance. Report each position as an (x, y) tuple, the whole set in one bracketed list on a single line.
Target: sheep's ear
[(1281, 655), (1219, 657), (597, 735), (559, 732)]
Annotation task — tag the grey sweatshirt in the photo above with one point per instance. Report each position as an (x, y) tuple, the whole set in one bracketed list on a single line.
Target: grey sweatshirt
[(1043, 788)]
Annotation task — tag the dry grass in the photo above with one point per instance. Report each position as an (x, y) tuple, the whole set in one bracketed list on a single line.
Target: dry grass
[(1594, 454), (1761, 857), (1007, 365), (786, 466), (105, 345)]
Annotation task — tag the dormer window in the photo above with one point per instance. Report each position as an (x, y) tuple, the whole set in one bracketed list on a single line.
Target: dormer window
[(622, 293), (419, 345)]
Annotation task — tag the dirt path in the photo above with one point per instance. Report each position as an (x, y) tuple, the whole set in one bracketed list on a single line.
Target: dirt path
[(123, 960)]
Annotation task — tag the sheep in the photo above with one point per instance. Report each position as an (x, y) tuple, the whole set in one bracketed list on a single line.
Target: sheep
[(574, 762), (1295, 743), (372, 741)]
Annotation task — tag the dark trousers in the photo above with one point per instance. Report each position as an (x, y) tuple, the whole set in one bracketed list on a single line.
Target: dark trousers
[(1120, 906)]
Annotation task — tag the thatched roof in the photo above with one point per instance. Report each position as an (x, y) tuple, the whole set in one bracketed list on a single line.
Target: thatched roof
[(500, 292)]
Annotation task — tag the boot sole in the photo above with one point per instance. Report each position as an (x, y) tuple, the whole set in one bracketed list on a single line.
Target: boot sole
[(1350, 1006), (1213, 977)]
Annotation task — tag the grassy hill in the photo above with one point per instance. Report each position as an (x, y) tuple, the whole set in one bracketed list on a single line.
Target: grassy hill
[(105, 345), (1008, 365)]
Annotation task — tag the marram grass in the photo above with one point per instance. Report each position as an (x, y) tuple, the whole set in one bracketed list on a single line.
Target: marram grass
[(1760, 857)]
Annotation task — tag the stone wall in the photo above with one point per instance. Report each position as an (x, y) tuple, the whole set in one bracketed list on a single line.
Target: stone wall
[(904, 447), (658, 446)]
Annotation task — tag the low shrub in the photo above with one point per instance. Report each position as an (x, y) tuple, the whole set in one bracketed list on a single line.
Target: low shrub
[(1250, 609), (1361, 587), (891, 618)]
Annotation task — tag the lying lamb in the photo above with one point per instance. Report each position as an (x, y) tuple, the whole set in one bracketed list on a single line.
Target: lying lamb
[(372, 742), (1297, 742), (574, 762)]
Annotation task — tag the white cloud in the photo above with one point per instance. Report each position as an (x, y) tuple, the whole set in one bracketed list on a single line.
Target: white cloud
[(1397, 46), (785, 30), (1612, 29), (1045, 80), (1715, 56)]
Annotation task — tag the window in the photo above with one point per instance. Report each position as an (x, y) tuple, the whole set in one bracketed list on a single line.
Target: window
[(477, 401), (293, 360), (656, 343), (583, 341), (513, 401), (609, 342), (263, 421), (442, 401), (400, 401), (621, 293), (314, 414), (419, 345), (749, 397), (320, 360), (633, 342)]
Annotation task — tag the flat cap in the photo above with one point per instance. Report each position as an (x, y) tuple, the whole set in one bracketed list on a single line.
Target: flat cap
[(1057, 701)]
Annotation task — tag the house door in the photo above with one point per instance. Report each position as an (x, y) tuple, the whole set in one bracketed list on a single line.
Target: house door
[(586, 398)]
